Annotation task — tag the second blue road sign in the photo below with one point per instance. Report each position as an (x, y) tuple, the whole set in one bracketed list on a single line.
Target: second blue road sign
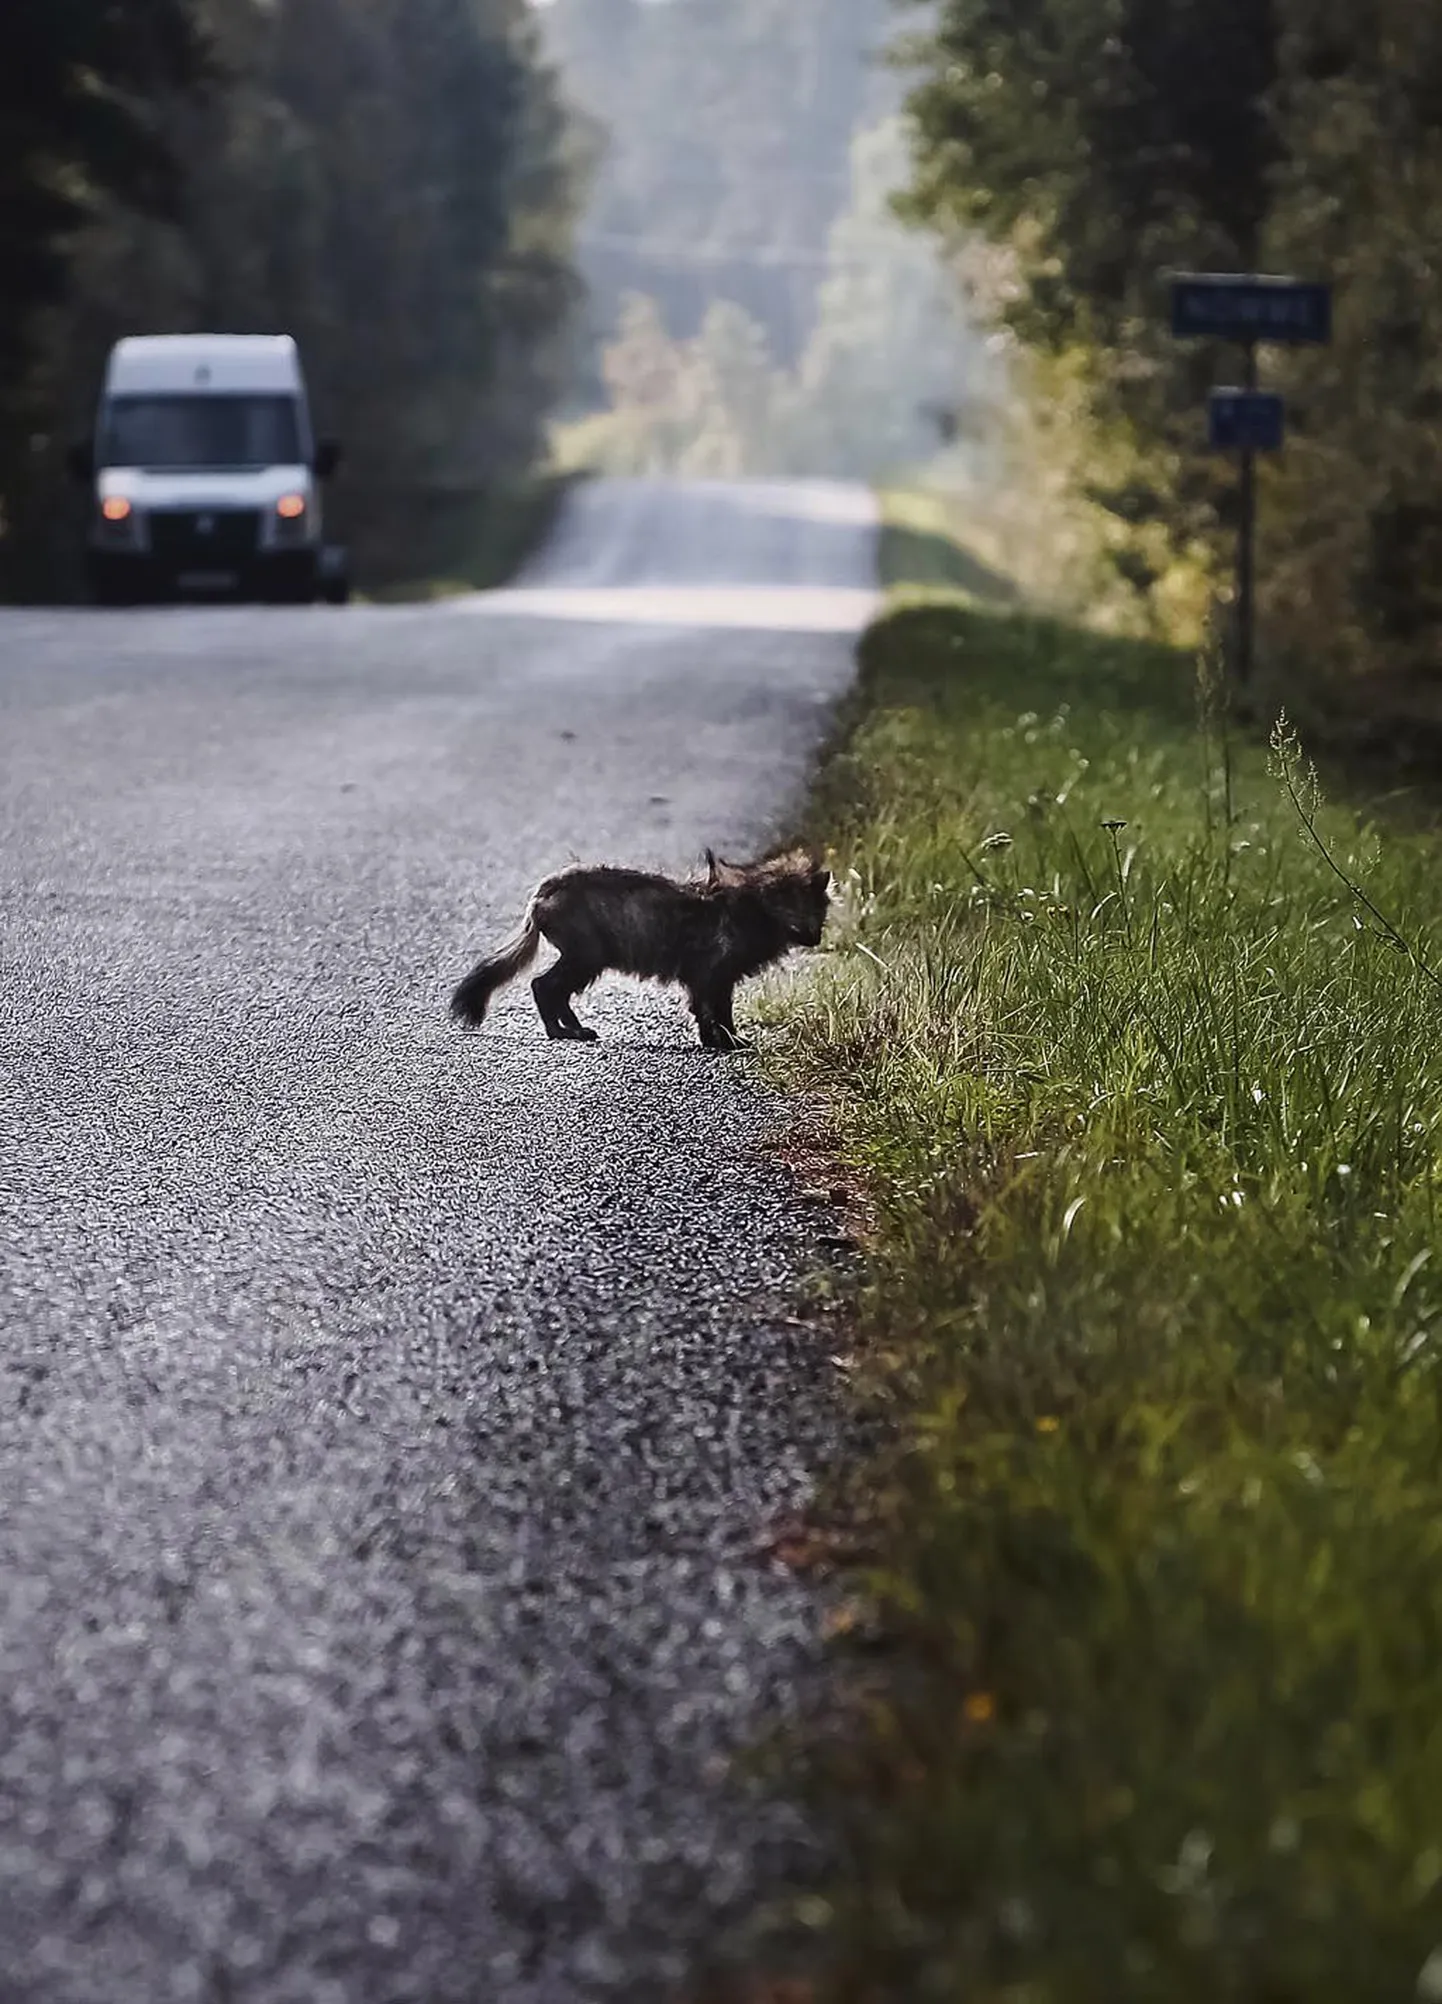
[(1247, 421)]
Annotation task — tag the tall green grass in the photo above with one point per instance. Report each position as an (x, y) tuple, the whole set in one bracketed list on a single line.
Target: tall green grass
[(1148, 1100)]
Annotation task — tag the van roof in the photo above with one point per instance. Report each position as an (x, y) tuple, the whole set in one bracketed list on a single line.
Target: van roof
[(215, 362)]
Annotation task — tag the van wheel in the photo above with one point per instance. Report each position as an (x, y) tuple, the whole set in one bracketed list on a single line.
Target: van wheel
[(333, 574)]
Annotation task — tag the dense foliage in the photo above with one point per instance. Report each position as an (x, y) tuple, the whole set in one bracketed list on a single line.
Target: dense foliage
[(389, 180), (1104, 141), (78, 92)]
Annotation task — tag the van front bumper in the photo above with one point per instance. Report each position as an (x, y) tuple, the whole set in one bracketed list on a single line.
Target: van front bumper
[(140, 576)]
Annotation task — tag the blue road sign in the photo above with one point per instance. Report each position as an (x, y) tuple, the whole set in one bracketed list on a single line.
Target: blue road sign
[(1223, 307), (1247, 421)]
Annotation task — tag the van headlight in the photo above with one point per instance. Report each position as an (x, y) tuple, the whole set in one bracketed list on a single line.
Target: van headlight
[(292, 518), (118, 523)]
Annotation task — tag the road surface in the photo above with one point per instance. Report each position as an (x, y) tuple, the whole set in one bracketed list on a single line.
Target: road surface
[(387, 1415)]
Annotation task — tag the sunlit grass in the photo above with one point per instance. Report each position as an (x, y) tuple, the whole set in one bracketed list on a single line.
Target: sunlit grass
[(1148, 1102)]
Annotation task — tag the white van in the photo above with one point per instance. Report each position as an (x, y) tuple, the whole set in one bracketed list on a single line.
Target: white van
[(205, 474)]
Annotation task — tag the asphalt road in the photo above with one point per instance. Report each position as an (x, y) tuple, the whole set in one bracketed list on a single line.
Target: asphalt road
[(387, 1415)]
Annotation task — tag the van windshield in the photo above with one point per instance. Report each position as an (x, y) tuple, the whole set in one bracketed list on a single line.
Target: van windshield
[(195, 432)]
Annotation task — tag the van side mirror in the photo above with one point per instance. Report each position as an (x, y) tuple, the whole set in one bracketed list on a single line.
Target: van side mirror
[(327, 457), (80, 462)]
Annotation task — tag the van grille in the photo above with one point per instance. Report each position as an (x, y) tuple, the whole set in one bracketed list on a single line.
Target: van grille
[(205, 539)]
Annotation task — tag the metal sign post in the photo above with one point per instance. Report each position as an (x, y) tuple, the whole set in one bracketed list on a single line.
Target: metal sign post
[(1223, 307), (1243, 409)]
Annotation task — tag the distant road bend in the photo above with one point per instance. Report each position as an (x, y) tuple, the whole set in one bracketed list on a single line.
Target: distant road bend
[(387, 1416)]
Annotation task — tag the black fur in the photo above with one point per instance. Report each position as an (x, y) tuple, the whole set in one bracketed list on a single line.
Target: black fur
[(706, 934)]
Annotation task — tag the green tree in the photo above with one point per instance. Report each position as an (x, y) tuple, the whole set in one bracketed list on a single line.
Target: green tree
[(1103, 141), (393, 182), (893, 350), (81, 90), (1355, 573), (1098, 132), (78, 84), (643, 369), (726, 160), (730, 395)]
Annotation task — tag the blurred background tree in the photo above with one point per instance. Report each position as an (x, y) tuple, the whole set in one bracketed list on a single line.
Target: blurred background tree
[(81, 87), (727, 135), (741, 217)]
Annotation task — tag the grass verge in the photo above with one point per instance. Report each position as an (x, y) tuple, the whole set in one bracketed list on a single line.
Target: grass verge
[(920, 548), (1146, 1096), (472, 541)]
